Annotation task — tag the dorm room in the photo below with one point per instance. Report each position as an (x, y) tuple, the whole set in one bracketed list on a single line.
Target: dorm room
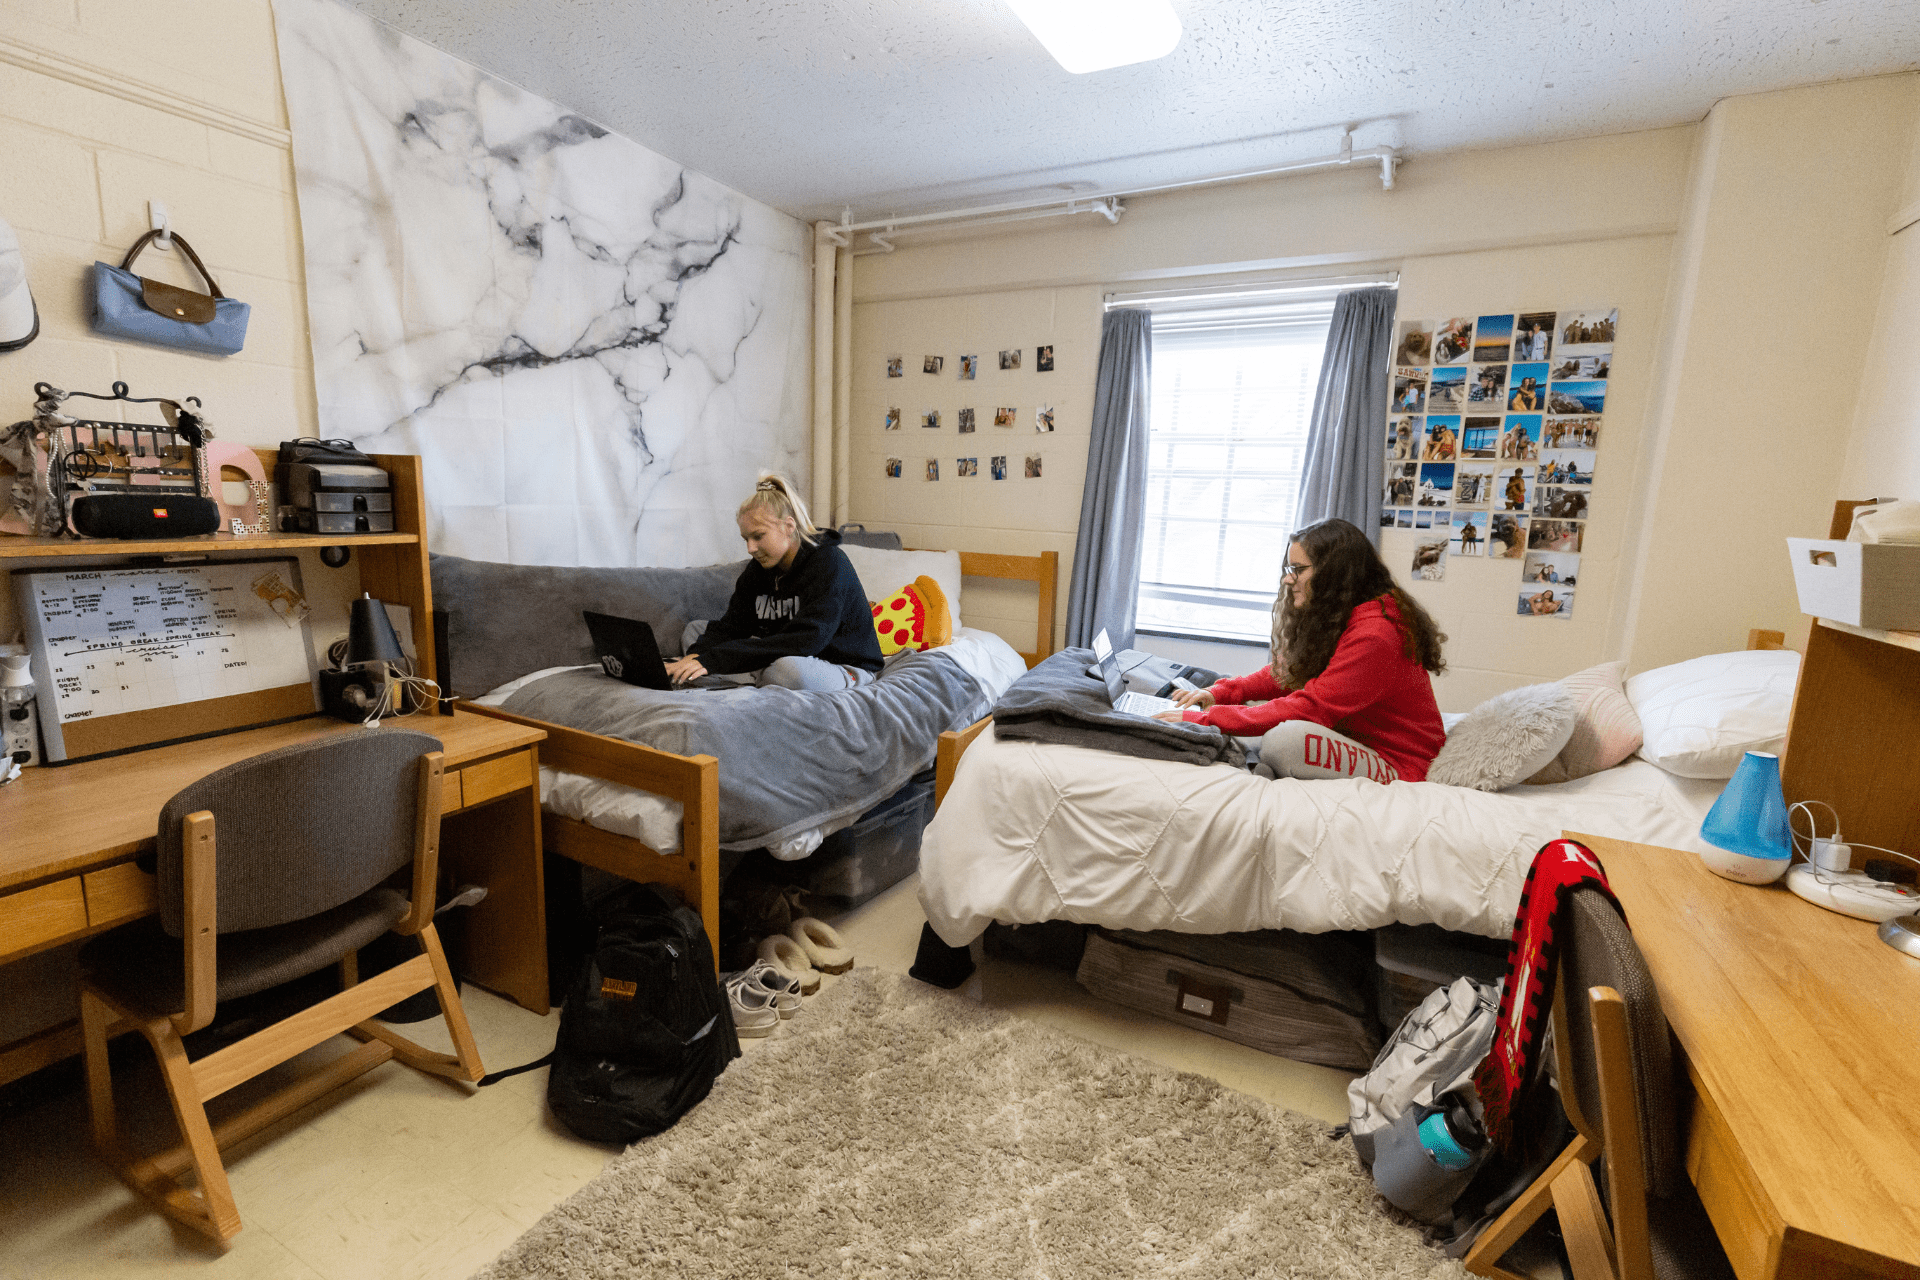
[(573, 290)]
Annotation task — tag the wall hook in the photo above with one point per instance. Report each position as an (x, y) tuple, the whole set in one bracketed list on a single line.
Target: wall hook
[(158, 220)]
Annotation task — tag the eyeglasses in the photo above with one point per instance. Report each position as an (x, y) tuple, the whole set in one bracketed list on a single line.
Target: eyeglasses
[(1293, 570)]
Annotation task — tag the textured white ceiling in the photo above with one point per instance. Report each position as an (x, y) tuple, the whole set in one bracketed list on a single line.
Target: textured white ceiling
[(897, 106)]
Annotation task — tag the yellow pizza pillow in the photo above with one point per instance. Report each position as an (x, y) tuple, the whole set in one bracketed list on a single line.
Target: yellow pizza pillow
[(914, 617)]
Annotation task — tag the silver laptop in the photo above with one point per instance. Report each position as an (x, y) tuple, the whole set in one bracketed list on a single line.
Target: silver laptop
[(1123, 700)]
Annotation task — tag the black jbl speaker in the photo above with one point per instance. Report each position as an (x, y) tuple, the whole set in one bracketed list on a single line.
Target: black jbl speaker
[(139, 515)]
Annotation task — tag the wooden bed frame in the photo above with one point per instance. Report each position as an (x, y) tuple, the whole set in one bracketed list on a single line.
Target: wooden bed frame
[(695, 780)]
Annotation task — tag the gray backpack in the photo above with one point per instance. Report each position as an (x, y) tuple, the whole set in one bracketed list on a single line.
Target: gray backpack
[(1424, 1073)]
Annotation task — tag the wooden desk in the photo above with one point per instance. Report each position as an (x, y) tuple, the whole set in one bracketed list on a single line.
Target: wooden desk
[(72, 833), (1801, 1032)]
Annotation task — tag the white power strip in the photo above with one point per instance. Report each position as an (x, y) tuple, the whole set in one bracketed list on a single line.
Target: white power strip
[(1852, 893)]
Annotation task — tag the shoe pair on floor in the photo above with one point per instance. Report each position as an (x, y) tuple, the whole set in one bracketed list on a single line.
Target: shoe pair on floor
[(789, 967)]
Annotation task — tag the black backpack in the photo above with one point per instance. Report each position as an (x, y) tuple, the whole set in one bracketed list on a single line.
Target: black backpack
[(645, 1029)]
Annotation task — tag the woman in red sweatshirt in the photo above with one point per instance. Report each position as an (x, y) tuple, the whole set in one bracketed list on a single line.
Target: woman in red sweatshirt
[(1349, 692)]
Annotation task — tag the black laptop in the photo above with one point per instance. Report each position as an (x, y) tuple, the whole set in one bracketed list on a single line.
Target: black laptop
[(626, 650)]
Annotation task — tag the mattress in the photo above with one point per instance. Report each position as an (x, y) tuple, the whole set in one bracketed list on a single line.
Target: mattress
[(655, 820), (1031, 832)]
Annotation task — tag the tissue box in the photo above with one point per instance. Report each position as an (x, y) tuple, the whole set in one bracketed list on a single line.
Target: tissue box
[(1862, 584)]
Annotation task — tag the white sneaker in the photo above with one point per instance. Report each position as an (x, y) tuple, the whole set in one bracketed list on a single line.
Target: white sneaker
[(754, 1013), (784, 989)]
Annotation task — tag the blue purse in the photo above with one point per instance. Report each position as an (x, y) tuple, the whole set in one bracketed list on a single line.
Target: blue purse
[(129, 306)]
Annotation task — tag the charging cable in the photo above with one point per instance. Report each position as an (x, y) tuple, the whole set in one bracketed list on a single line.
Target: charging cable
[(1828, 854)]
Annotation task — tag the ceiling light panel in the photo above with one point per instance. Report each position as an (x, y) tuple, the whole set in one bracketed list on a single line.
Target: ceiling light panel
[(1094, 35)]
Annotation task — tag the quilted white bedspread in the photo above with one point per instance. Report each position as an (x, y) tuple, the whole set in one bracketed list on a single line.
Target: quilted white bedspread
[(1031, 832)]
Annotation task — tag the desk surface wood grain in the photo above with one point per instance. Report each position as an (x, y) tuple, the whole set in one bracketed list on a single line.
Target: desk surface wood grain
[(59, 820), (1805, 1030)]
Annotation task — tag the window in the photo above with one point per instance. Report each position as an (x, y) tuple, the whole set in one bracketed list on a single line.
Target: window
[(1233, 387)]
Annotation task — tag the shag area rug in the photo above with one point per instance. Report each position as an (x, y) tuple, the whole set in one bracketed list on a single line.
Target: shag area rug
[(897, 1130)]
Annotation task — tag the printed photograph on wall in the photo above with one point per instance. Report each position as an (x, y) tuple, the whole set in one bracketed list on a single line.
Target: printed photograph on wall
[(1409, 391), (1513, 489), (1005, 416), (1453, 342), (1520, 441), (1578, 397), (1527, 388), (1386, 517), (999, 466), (1587, 333), (1010, 359), (1403, 438), (893, 468), (966, 468), (1493, 340), (1430, 560), (1423, 518), (1447, 390), (1403, 481), (933, 468), (1033, 466), (966, 421), (1554, 535), (969, 365), (1043, 418), (1571, 433), (1403, 518), (1469, 534), (933, 364), (1443, 439), (1554, 568), (930, 419), (1487, 392), (1560, 504), (1506, 537), (1480, 438), (1043, 359), (1533, 336), (1473, 487), (1547, 602), (1415, 345), (1566, 466), (896, 366), (1436, 484), (1582, 367), (893, 418)]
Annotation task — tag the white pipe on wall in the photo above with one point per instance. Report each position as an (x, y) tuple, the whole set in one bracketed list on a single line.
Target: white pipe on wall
[(843, 388), (821, 487)]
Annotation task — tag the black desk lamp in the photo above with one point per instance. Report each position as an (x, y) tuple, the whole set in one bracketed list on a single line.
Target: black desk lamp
[(355, 691)]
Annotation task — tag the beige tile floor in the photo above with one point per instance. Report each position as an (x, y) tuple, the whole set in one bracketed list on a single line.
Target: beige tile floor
[(402, 1175)]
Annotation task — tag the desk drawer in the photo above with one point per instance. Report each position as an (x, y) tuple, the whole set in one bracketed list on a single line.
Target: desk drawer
[(35, 916), (488, 780), (119, 894)]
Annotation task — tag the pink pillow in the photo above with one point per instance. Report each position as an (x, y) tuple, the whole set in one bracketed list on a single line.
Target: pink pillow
[(1606, 729)]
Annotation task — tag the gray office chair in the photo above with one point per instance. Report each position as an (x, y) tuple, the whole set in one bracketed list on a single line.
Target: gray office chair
[(1617, 1082), (308, 837)]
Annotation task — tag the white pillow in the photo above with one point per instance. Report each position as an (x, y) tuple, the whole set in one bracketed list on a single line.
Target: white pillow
[(884, 572), (1507, 738), (1699, 717)]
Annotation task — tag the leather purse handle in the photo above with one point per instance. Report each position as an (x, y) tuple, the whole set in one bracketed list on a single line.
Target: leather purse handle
[(126, 264)]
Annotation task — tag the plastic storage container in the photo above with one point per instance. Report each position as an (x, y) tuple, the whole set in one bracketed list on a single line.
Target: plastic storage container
[(1862, 584), (1413, 960)]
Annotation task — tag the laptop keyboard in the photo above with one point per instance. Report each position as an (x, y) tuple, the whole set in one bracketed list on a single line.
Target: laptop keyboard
[(1143, 704)]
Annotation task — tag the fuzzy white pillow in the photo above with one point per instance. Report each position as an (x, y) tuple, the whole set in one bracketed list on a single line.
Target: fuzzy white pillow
[(1701, 716), (1507, 738)]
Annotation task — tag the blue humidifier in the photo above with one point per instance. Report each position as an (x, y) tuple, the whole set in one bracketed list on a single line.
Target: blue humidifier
[(1748, 824)]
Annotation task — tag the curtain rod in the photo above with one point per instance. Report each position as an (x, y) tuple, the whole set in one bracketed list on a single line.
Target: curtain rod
[(1252, 290)]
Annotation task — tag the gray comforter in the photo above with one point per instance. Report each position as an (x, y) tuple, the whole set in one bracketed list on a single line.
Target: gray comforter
[(789, 761), (1059, 702)]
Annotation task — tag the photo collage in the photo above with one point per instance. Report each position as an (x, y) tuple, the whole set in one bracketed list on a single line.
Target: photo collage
[(1493, 424), (966, 419)]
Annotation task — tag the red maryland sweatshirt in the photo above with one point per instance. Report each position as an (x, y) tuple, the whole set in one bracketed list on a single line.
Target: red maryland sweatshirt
[(1371, 691)]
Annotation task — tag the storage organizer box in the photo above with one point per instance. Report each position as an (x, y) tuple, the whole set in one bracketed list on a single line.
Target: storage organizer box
[(1861, 584), (1412, 961), (1301, 996)]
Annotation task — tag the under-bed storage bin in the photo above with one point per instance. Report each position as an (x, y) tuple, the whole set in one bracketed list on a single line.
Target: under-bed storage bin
[(878, 851), (1301, 996), (1414, 960)]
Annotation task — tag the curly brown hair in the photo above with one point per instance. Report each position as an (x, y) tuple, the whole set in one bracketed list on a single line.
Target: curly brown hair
[(1347, 572)]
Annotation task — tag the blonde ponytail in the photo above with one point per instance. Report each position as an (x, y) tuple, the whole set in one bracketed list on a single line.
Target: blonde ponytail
[(774, 494)]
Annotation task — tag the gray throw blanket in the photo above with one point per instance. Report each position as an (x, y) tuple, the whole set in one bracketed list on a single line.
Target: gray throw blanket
[(1059, 702), (789, 761)]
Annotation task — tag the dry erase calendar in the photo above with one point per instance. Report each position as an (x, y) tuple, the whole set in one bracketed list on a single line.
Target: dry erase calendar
[(131, 657)]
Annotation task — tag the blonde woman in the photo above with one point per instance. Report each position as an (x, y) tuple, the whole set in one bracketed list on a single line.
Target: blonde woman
[(799, 617)]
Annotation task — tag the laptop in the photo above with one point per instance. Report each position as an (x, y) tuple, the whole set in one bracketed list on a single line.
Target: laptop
[(626, 650), (1124, 701)]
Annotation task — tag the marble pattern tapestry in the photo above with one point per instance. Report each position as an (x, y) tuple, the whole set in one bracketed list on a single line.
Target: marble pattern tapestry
[(593, 349)]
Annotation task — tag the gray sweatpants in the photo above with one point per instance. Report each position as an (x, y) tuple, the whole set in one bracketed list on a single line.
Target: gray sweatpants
[(1303, 749)]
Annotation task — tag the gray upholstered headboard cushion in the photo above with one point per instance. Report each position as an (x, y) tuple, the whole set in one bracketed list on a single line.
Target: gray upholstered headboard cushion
[(504, 620)]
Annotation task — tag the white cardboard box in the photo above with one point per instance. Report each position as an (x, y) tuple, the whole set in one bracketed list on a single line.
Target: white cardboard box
[(1864, 584)]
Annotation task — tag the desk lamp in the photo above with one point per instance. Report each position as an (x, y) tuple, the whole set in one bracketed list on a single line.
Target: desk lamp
[(355, 692), (1748, 824)]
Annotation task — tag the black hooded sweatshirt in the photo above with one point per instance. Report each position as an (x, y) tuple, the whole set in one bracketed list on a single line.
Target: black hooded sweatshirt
[(815, 609)]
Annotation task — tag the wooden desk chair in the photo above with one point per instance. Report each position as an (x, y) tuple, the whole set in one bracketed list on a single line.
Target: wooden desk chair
[(307, 837), (1616, 1077)]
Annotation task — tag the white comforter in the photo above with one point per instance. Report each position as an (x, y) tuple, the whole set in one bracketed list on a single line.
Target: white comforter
[(1031, 832)]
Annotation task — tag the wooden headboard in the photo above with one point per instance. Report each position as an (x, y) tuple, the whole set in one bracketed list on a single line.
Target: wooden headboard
[(1042, 570)]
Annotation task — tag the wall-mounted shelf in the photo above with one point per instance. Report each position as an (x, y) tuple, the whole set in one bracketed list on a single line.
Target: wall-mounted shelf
[(12, 547), (1902, 639)]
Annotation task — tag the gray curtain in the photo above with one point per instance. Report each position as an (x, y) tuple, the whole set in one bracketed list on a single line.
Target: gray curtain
[(1346, 460), (1106, 560)]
